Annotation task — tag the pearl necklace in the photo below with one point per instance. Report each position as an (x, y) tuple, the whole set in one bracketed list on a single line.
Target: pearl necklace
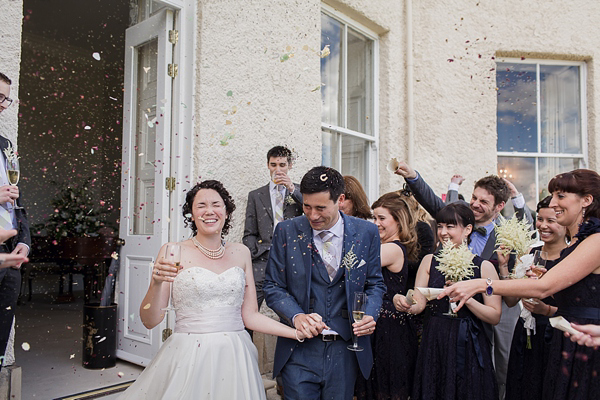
[(212, 254)]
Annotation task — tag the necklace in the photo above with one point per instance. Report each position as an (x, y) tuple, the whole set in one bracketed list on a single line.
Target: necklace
[(212, 254)]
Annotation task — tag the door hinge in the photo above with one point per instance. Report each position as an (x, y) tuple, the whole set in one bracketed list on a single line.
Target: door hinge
[(174, 36), (172, 70), (170, 183)]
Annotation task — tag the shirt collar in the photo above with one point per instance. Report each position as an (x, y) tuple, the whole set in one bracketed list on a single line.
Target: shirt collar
[(272, 187), (337, 229)]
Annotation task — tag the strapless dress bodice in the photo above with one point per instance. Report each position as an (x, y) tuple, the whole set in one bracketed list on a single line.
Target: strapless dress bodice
[(207, 302)]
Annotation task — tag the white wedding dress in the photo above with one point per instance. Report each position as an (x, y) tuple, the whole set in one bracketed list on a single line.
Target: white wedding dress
[(209, 355)]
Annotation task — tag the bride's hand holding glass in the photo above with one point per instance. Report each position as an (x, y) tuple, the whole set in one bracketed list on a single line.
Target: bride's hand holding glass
[(164, 271)]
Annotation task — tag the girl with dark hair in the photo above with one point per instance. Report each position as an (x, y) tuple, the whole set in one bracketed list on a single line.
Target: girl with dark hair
[(455, 359), (529, 352), (393, 359), (355, 202), (572, 369), (210, 355)]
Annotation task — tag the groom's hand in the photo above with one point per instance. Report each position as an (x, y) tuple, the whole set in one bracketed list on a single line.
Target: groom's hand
[(308, 325), (365, 326)]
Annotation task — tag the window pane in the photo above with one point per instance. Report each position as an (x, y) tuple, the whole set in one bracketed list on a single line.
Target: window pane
[(143, 160), (517, 107), (331, 72), (521, 172), (560, 109), (550, 167), (330, 149), (355, 159), (360, 83)]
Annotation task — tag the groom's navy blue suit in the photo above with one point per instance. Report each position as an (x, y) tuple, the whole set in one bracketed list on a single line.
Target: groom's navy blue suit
[(297, 282)]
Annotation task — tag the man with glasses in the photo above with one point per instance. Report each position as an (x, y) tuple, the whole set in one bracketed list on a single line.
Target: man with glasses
[(10, 218)]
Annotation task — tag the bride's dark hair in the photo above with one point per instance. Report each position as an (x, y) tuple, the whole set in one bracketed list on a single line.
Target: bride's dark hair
[(189, 201)]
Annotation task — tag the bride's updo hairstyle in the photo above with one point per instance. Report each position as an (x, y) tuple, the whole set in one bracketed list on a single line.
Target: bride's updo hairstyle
[(189, 202), (459, 214), (582, 182)]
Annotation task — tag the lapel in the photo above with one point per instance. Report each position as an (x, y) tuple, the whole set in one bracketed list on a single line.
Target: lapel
[(265, 199), (490, 246), (307, 246), (349, 240)]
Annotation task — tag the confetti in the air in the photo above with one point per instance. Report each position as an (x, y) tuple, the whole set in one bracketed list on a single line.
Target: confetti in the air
[(147, 306), (120, 374), (72, 356), (325, 52), (25, 346), (96, 56)]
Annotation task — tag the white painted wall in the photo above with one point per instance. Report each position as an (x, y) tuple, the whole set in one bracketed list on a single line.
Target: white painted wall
[(11, 18)]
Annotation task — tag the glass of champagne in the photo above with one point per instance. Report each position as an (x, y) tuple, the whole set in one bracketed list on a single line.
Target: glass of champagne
[(172, 254), (539, 261), (359, 307), (13, 173)]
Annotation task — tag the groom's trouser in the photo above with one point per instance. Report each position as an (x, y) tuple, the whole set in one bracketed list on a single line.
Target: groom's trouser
[(320, 370), (10, 284), (503, 333)]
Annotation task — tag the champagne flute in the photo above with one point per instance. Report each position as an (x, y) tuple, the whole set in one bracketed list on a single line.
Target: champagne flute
[(172, 254), (359, 307), (539, 261), (13, 173), (451, 304)]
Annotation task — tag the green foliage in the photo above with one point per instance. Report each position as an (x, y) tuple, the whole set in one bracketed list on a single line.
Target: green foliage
[(75, 213)]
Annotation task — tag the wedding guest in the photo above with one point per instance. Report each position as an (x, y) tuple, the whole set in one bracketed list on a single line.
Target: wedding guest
[(317, 263), (209, 355), (278, 200), (489, 197), (12, 216), (395, 341), (355, 202), (529, 350), (455, 359), (574, 281)]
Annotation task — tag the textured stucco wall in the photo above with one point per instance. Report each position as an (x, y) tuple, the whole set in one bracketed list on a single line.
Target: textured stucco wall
[(11, 17), (240, 45), (455, 102)]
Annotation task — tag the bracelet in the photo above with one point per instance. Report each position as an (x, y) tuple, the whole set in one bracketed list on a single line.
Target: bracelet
[(297, 338), (504, 276)]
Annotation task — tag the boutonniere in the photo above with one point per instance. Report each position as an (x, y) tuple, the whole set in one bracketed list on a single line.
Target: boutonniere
[(11, 153), (350, 259), (289, 200)]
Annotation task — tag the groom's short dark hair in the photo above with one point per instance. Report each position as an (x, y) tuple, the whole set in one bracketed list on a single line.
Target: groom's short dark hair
[(323, 179)]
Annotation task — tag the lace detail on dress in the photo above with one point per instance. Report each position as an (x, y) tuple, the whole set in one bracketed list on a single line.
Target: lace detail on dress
[(589, 227), (198, 289)]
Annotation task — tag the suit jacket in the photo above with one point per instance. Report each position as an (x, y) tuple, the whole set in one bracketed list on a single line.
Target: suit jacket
[(287, 283), (432, 203), (23, 235), (258, 228)]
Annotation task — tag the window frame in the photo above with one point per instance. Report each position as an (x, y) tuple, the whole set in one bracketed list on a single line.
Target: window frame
[(537, 155), (372, 170)]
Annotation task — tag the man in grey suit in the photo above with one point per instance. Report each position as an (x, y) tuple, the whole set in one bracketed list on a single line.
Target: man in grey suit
[(487, 201), (268, 205)]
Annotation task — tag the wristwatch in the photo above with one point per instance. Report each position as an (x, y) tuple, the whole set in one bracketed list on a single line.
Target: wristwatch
[(489, 290)]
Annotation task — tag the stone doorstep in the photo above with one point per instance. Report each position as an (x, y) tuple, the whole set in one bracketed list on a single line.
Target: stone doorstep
[(10, 383)]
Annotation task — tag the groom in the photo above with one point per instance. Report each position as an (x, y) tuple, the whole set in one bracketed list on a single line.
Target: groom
[(316, 263)]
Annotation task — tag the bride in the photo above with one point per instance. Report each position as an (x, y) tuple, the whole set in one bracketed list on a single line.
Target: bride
[(210, 355)]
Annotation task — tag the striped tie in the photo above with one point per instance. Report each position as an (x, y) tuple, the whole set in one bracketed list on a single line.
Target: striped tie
[(328, 255), (278, 206)]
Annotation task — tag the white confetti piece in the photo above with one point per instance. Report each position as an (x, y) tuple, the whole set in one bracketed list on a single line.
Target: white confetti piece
[(25, 346), (146, 69), (96, 56), (102, 339), (120, 374), (72, 356), (147, 306), (87, 127)]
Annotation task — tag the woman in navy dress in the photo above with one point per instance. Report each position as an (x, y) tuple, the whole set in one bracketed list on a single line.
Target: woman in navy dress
[(394, 341), (572, 369), (527, 364), (455, 359)]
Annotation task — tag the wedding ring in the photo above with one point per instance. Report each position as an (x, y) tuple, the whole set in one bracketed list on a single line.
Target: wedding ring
[(157, 272)]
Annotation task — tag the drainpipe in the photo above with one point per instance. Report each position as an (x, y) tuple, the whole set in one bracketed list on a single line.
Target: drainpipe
[(409, 84)]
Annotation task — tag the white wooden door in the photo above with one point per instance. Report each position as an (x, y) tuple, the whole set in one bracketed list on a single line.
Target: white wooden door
[(145, 218)]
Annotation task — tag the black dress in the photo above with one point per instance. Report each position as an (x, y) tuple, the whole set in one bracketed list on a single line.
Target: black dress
[(573, 371), (394, 345), (455, 358), (526, 367)]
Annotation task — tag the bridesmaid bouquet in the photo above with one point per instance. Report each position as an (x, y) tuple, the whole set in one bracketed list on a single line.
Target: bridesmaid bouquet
[(523, 265), (515, 235), (455, 262)]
